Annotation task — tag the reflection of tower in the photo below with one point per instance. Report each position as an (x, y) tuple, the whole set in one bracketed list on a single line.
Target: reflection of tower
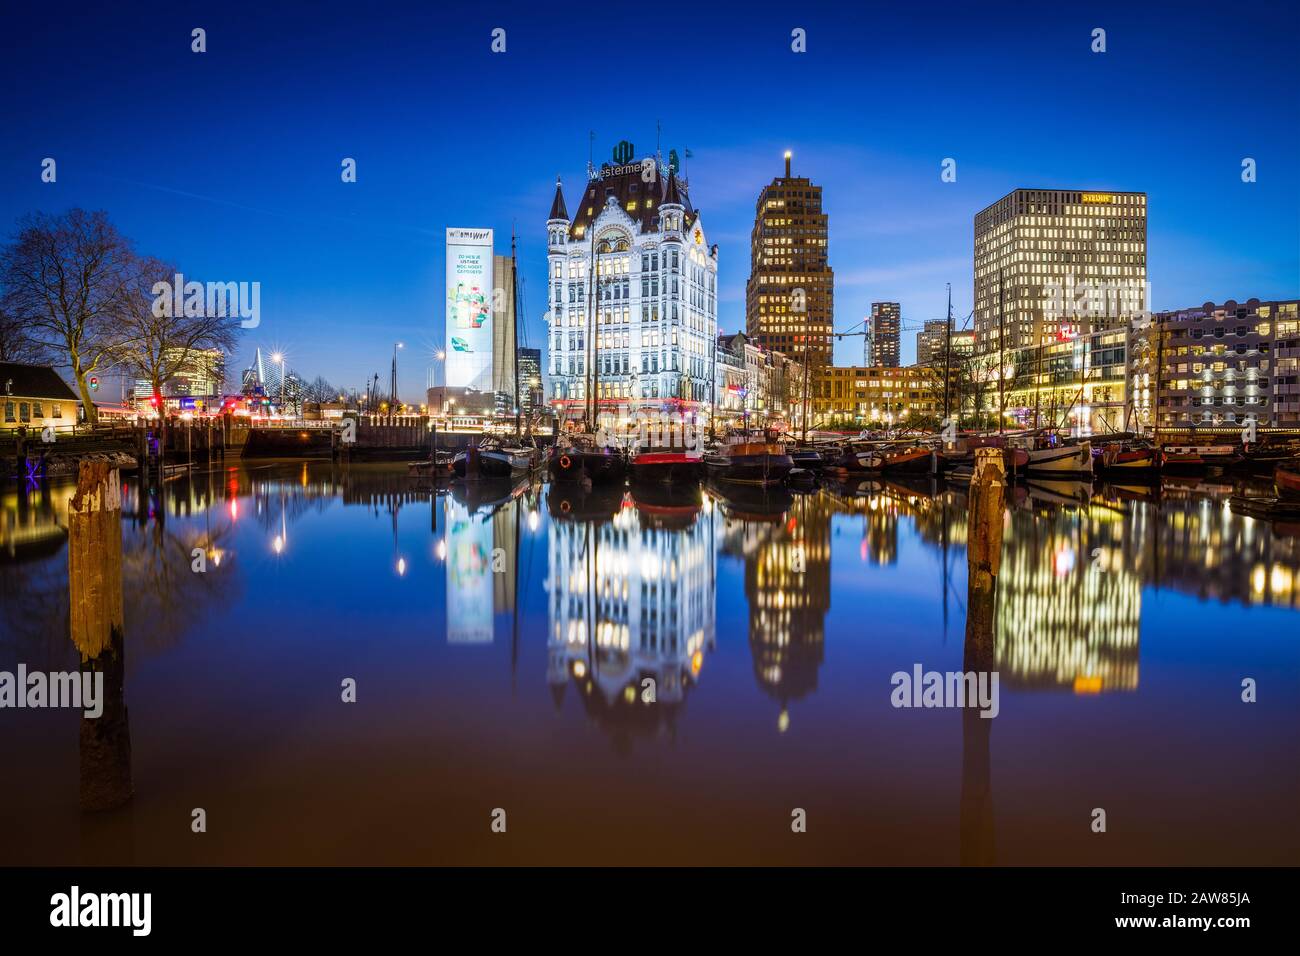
[(504, 537), (470, 580), (629, 601), (880, 531), (787, 607), (1068, 603)]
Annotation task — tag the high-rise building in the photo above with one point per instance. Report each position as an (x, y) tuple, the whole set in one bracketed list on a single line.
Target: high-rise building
[(530, 381), (790, 296), (1054, 263), (503, 333), (637, 330), (202, 373), (932, 341), (886, 327)]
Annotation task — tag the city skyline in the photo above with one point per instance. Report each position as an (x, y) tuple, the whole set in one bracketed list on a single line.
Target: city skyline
[(346, 268)]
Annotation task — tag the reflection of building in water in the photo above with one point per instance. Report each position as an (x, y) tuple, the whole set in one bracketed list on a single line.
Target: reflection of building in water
[(787, 607), (629, 600), (33, 521), (1203, 548), (1069, 602), (470, 578)]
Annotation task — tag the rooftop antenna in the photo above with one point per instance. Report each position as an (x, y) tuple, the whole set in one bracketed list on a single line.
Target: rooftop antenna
[(591, 153)]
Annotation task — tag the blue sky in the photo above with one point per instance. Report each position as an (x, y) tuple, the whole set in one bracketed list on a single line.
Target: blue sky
[(228, 162)]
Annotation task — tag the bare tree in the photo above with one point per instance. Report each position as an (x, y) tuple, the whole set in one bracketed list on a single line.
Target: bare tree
[(319, 390), (65, 279), (159, 342), (17, 344)]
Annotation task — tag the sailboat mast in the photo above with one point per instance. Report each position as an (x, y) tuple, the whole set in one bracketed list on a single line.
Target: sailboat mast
[(591, 327), (806, 374), (947, 360), (1038, 383), (1002, 362), (1160, 366), (514, 331)]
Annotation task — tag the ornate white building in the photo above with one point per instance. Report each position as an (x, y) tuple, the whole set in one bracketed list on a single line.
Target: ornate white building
[(641, 336)]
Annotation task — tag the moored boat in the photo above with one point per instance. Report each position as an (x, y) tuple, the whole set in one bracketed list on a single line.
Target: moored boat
[(1265, 457), (1197, 457), (492, 459), (1127, 459), (751, 462), (861, 458), (914, 460), (668, 466), (1060, 460), (573, 459), (809, 459), (1286, 478)]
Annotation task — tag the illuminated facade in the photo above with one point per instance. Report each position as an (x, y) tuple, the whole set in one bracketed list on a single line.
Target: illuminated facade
[(879, 396), (654, 298), (1075, 384), (755, 386), (932, 342), (1052, 263), (790, 296), (886, 325), (1223, 365)]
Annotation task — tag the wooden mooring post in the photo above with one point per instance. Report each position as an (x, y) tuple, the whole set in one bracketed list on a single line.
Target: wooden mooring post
[(96, 626), (983, 561)]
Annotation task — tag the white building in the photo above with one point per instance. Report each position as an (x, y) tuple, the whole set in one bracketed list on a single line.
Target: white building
[(654, 303)]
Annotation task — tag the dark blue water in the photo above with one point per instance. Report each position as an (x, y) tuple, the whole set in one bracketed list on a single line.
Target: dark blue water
[(501, 639)]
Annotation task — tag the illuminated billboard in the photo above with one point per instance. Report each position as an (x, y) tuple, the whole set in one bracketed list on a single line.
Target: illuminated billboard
[(469, 309)]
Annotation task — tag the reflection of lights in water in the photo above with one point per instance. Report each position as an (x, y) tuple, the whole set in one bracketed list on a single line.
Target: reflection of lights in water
[(1087, 685), (215, 554), (401, 567), (533, 521), (579, 669), (277, 545), (1257, 579), (1063, 560), (697, 661), (783, 721), (1280, 580), (441, 549), (234, 509)]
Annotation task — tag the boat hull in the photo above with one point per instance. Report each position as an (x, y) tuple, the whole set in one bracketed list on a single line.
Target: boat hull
[(1073, 460), (492, 464), (1128, 460), (915, 461), (574, 464), (1195, 458), (667, 468), (749, 469)]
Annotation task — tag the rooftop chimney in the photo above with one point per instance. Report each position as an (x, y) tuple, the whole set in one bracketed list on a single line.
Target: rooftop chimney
[(787, 164)]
